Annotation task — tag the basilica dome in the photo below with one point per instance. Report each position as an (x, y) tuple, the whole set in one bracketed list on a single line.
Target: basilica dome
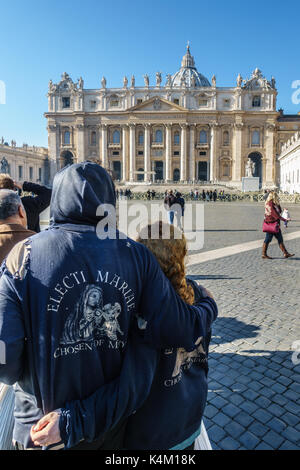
[(188, 75)]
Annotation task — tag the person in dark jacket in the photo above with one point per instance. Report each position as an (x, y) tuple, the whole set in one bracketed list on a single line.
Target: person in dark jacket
[(171, 416), (169, 203), (72, 296), (180, 203), (33, 205)]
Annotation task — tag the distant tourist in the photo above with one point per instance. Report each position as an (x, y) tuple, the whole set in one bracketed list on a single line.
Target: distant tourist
[(215, 195), (180, 210), (169, 201), (286, 215), (271, 225)]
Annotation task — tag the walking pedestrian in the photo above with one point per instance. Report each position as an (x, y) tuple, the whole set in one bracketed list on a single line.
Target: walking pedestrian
[(271, 225)]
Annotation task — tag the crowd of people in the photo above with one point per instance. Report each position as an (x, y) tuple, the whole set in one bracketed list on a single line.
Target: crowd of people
[(106, 337), (207, 195)]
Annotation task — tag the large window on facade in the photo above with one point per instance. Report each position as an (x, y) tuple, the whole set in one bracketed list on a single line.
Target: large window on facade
[(140, 138), (20, 171), (67, 138), (40, 174), (203, 137), (158, 136), (31, 173), (66, 102), (176, 138), (255, 138), (256, 101), (116, 137), (114, 101)]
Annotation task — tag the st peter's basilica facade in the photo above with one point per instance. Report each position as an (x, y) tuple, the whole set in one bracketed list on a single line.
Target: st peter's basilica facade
[(187, 129)]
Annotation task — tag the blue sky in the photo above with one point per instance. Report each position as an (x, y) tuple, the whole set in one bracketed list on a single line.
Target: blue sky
[(40, 40)]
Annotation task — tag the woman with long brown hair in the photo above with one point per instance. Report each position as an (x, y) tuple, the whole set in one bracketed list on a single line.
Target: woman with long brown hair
[(272, 225)]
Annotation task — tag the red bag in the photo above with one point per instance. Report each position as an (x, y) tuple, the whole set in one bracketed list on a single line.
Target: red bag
[(271, 227)]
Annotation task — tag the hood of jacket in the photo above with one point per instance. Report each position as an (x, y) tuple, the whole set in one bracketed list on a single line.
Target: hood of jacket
[(78, 191)]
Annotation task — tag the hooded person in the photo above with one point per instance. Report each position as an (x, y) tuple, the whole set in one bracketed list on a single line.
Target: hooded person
[(45, 282)]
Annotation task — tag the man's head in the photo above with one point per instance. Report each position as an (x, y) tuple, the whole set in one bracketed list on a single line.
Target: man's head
[(6, 182), (11, 208)]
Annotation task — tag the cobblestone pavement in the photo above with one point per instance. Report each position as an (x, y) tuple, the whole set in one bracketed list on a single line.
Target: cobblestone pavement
[(254, 387)]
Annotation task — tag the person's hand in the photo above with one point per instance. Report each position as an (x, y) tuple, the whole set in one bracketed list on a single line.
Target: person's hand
[(207, 292), (46, 431), (18, 185)]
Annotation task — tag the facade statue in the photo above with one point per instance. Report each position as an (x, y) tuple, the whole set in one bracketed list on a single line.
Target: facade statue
[(132, 81), (125, 82), (158, 78), (193, 81), (80, 83), (146, 80), (273, 82), (4, 167), (214, 81), (239, 80), (169, 80), (182, 81), (103, 82), (2, 140), (250, 168)]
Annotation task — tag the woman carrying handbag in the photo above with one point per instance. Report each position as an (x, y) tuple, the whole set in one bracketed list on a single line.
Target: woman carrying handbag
[(271, 225)]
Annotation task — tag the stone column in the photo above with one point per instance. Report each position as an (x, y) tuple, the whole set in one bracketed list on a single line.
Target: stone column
[(183, 152), (192, 152), (168, 152), (212, 162), (80, 143), (54, 150), (147, 159), (237, 152), (124, 153), (270, 157), (104, 157), (131, 152)]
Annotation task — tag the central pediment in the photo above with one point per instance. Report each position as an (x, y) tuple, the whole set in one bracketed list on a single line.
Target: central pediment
[(157, 104)]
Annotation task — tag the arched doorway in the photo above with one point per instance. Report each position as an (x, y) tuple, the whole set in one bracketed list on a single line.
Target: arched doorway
[(257, 159), (176, 174), (66, 159)]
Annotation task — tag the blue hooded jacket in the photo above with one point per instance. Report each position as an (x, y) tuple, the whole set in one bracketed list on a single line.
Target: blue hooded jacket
[(69, 300)]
